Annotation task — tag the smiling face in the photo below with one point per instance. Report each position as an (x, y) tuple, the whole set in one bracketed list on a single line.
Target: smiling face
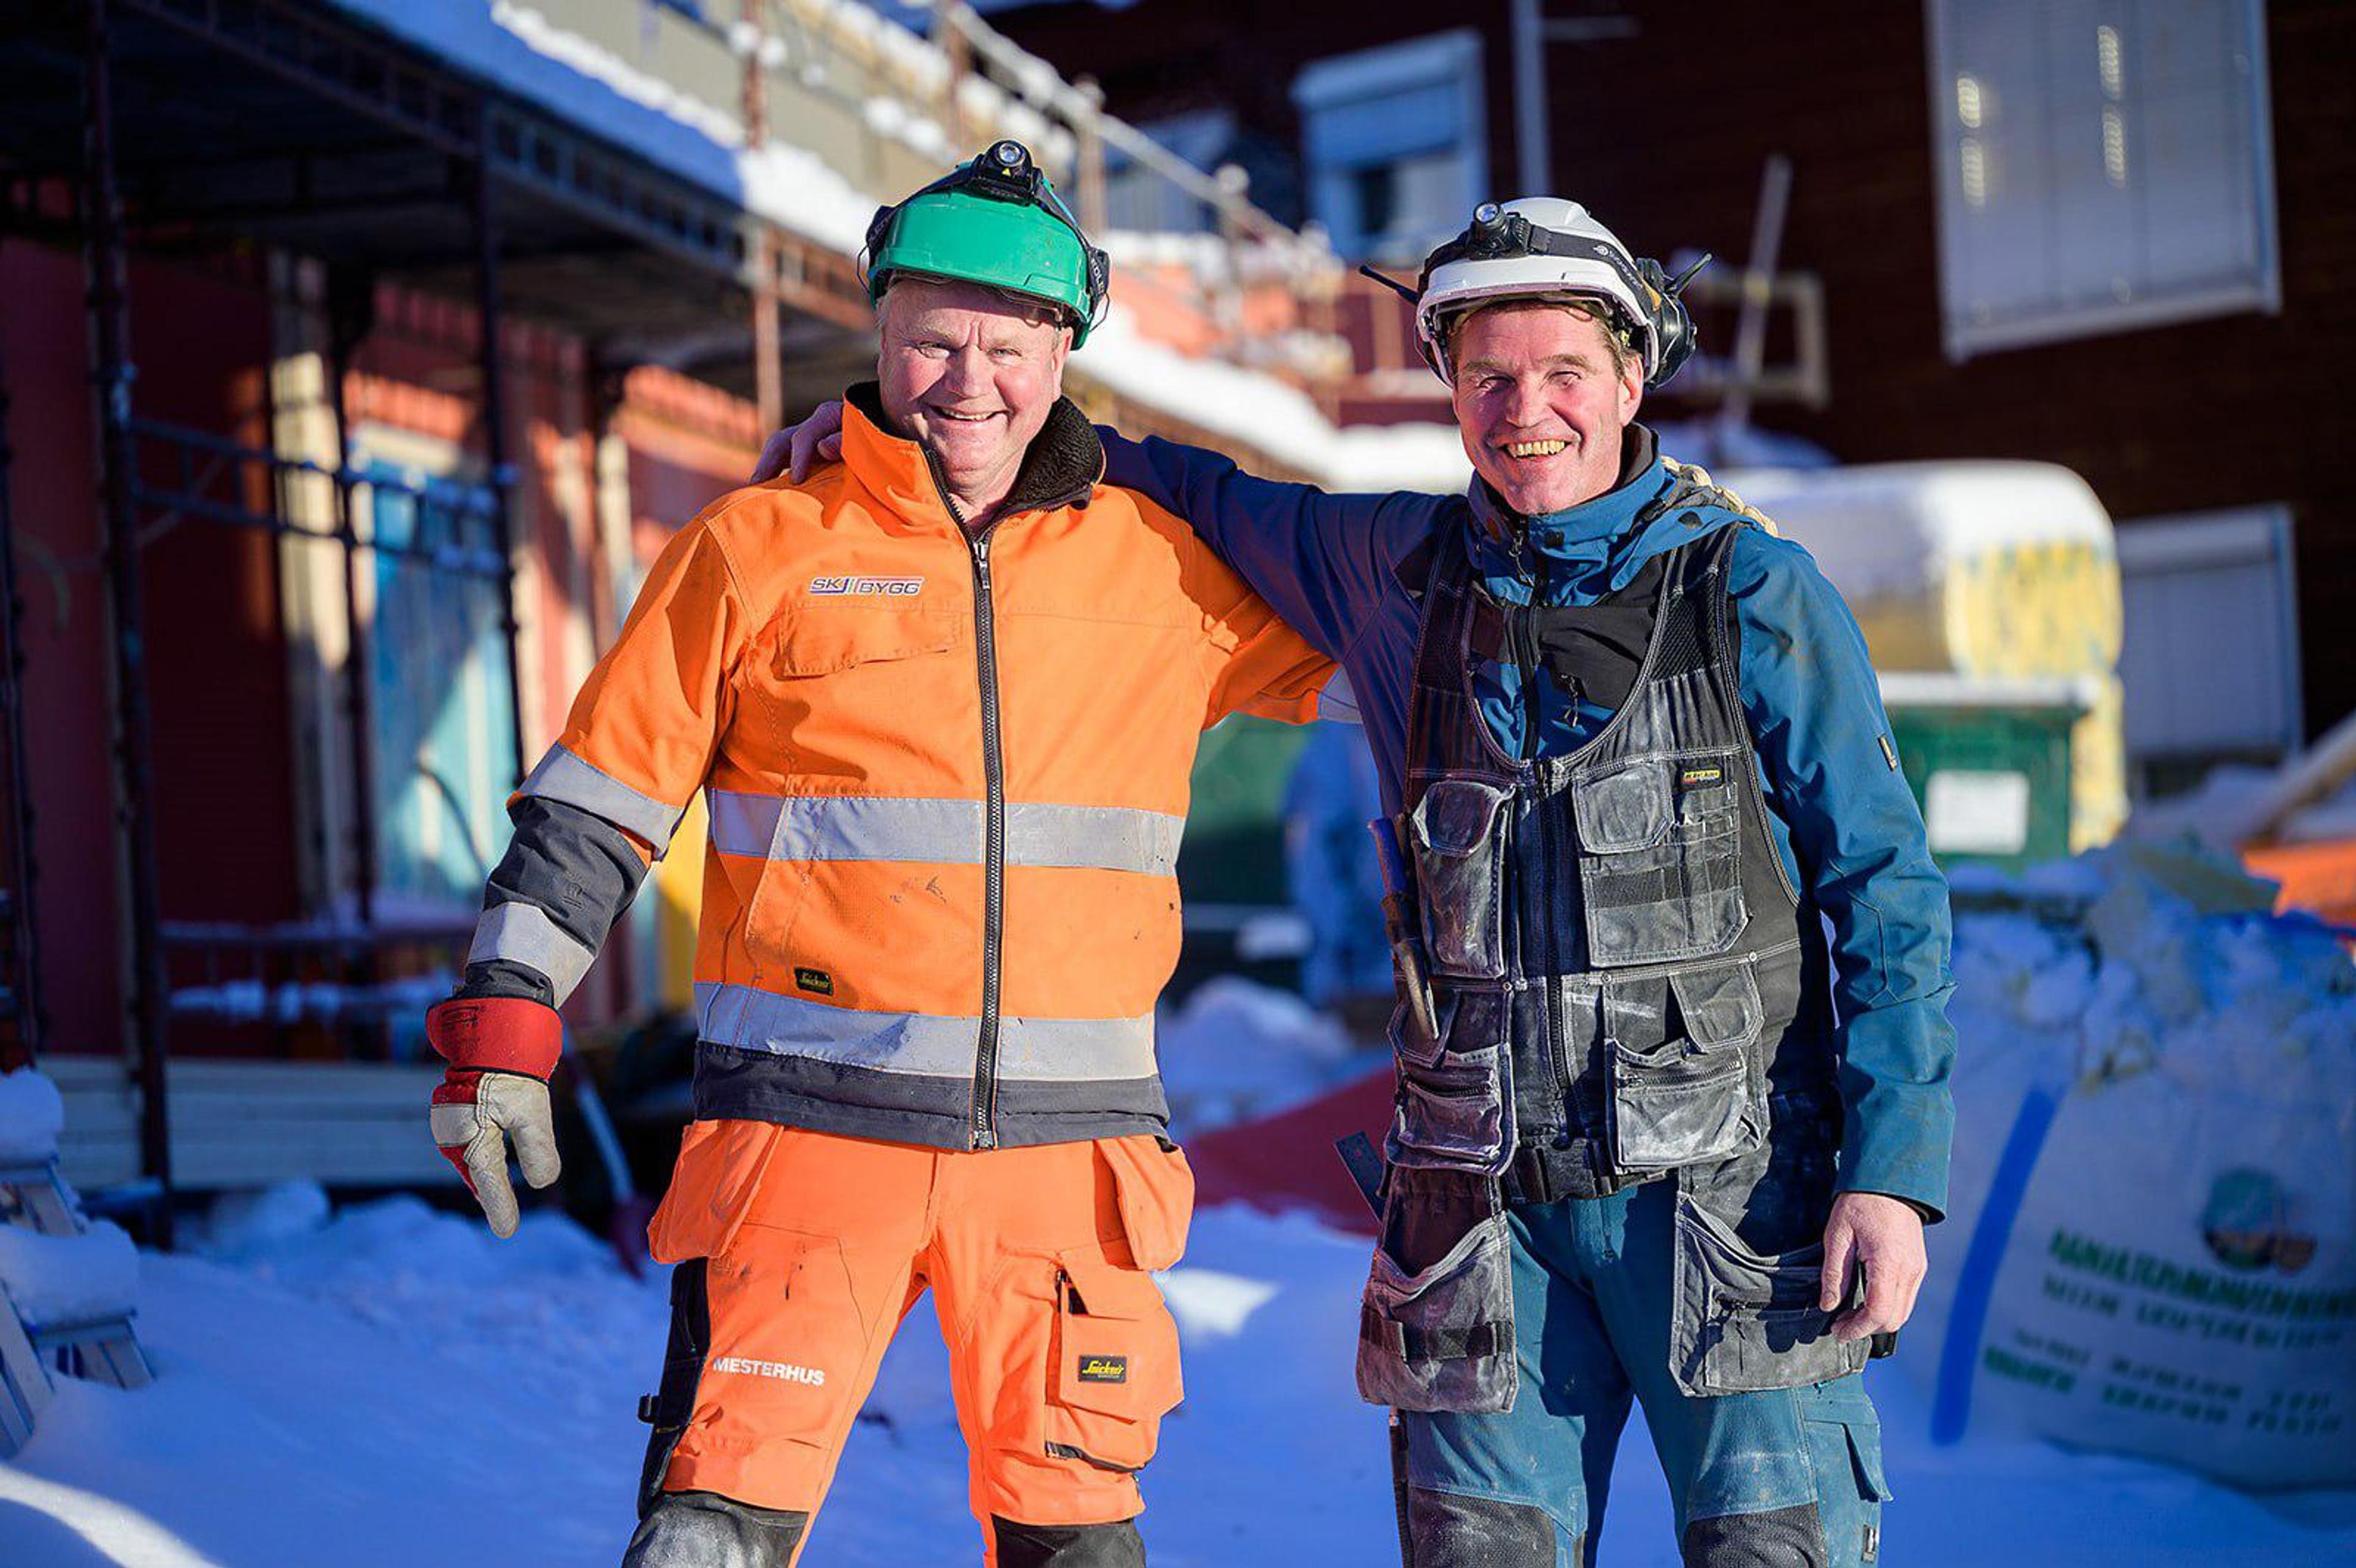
[(1541, 402), (972, 375)]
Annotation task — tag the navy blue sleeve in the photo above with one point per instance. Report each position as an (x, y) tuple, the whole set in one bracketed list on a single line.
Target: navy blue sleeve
[(1815, 707), (1323, 561)]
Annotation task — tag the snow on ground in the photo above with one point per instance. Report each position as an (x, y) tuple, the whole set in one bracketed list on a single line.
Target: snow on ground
[(1235, 1050), (395, 1387)]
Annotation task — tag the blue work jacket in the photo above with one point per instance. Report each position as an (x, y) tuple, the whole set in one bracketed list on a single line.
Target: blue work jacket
[(1844, 822)]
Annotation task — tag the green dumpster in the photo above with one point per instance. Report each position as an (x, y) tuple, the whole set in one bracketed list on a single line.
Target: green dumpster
[(1988, 761)]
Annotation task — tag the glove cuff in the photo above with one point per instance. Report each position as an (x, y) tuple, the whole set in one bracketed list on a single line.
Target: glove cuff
[(496, 1034)]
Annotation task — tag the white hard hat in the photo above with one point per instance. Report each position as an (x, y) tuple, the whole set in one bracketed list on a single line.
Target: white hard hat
[(1534, 247)]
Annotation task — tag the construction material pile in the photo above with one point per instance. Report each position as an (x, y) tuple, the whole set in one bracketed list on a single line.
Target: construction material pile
[(2151, 1246)]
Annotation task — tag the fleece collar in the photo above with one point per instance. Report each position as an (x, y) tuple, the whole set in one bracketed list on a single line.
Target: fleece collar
[(1060, 468)]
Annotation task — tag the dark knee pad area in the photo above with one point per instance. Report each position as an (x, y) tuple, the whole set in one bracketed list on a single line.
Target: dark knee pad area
[(705, 1529), (1777, 1537), (1068, 1545), (1452, 1532)]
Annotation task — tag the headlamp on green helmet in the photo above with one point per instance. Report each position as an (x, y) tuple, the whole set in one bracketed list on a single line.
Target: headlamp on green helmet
[(996, 221)]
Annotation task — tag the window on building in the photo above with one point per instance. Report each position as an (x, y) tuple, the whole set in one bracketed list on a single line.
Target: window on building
[(2102, 164), (1395, 144), (2211, 658), (443, 743)]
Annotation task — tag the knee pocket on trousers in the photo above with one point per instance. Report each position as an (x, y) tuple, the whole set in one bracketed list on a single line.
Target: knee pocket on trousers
[(1452, 1529), (1844, 1438)]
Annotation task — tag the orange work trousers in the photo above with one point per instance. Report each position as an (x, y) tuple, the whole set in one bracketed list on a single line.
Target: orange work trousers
[(1063, 1358)]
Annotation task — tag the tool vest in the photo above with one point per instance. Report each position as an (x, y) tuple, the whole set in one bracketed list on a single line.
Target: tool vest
[(1628, 988)]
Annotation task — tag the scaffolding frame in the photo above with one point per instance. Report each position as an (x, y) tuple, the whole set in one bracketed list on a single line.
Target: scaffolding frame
[(513, 174)]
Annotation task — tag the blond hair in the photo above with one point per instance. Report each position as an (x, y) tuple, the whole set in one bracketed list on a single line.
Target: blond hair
[(1615, 331)]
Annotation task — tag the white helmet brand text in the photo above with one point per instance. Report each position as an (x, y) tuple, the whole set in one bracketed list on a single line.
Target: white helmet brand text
[(865, 587)]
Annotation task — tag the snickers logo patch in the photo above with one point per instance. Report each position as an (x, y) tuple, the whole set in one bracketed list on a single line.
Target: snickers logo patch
[(816, 981), (1104, 1368)]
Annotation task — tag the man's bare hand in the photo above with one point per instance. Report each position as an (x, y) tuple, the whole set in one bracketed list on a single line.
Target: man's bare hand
[(1884, 1237), (798, 448)]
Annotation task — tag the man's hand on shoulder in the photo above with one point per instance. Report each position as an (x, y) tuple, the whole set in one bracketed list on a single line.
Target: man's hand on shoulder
[(1882, 1235), (798, 448)]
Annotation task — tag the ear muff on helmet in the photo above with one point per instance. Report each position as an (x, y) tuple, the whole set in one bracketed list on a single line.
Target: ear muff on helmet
[(1673, 327)]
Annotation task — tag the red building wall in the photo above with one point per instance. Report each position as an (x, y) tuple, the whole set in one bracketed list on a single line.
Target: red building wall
[(52, 494)]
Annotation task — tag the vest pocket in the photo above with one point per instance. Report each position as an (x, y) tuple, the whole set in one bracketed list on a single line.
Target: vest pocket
[(1436, 1327), (1459, 837), (1688, 1098), (1453, 1094), (1746, 1321), (1660, 859)]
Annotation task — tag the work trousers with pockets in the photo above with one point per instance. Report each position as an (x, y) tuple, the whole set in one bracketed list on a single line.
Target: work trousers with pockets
[(1784, 1478), (799, 1253)]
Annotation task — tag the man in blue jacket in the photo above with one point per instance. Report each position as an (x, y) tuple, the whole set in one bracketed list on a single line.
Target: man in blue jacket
[(1673, 1057)]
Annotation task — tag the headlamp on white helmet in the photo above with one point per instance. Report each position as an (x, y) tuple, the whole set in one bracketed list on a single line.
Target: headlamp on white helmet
[(1543, 247)]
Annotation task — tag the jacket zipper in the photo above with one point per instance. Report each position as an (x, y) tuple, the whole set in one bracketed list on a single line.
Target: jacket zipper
[(982, 1129), (981, 1122), (1543, 874)]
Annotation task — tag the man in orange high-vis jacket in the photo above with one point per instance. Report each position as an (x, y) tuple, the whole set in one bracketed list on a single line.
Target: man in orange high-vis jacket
[(942, 702)]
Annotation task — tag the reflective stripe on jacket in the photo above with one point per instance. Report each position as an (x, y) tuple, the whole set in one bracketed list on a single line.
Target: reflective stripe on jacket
[(946, 779)]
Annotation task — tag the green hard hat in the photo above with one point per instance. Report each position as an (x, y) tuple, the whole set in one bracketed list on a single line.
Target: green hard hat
[(997, 221)]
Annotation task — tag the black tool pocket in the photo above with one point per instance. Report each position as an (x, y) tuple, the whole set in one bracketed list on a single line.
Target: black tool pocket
[(1454, 1093), (1458, 834), (1660, 857), (1688, 1094), (1436, 1327), (1745, 1320)]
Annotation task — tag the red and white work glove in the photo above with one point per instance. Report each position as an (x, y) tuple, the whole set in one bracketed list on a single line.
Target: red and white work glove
[(501, 1050)]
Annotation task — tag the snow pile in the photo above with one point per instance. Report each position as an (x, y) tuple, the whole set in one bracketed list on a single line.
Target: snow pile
[(2213, 812), (242, 1224), (52, 1280), (1899, 527), (32, 1113), (433, 1397), (2151, 1245), (1236, 1050)]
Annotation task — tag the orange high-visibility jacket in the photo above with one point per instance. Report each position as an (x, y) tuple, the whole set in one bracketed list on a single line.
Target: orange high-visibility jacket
[(946, 779)]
